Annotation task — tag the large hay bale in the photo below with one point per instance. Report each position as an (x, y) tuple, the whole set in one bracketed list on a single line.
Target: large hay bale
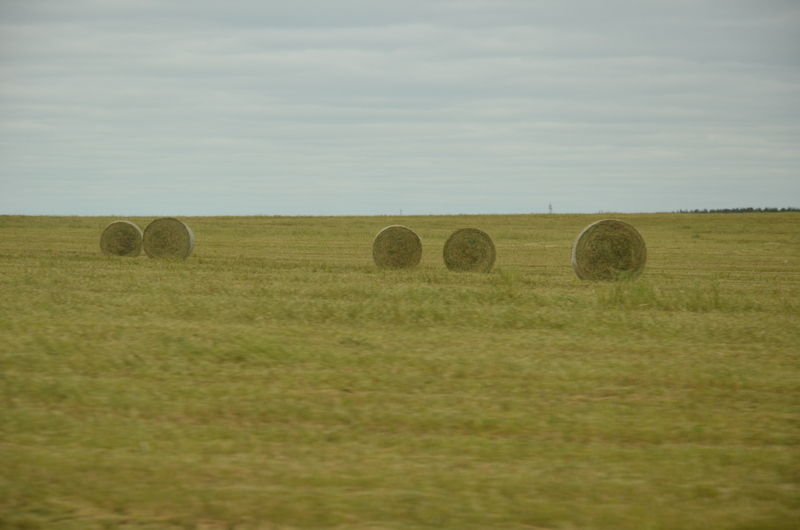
[(168, 238), (396, 247), (469, 250), (609, 250), (121, 238)]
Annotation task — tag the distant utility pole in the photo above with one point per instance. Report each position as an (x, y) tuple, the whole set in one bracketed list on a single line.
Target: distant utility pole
[(550, 207)]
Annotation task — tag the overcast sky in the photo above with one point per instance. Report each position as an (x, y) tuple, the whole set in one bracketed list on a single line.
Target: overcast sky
[(351, 107)]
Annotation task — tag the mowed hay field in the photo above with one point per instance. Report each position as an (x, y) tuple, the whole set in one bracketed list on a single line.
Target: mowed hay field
[(278, 379)]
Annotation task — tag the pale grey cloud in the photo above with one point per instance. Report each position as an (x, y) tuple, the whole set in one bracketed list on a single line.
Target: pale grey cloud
[(372, 107)]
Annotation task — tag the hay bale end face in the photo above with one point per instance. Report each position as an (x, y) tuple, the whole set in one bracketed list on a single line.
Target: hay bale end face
[(469, 250), (396, 247), (609, 250), (121, 238), (168, 238)]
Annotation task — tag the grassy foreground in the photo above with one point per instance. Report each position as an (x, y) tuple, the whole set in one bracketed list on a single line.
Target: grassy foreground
[(277, 379)]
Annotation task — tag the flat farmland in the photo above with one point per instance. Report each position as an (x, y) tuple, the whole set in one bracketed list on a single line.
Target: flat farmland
[(277, 379)]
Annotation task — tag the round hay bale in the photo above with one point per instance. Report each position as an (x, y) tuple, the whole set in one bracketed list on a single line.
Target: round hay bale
[(609, 250), (121, 238), (168, 238), (469, 250), (396, 247)]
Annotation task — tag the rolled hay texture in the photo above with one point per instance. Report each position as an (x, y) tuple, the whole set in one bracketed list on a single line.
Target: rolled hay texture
[(609, 250), (396, 247), (121, 238), (168, 238), (469, 250)]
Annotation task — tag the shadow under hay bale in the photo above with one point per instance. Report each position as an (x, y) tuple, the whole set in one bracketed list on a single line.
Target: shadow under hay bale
[(121, 238), (396, 247), (168, 238), (469, 250), (609, 250)]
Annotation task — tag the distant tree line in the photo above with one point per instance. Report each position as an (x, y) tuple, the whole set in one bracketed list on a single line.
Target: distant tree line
[(741, 210)]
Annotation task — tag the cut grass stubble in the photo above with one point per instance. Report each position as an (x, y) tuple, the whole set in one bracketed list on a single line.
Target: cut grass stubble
[(264, 389)]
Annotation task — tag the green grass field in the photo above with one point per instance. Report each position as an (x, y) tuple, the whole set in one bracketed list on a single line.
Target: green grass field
[(277, 379)]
